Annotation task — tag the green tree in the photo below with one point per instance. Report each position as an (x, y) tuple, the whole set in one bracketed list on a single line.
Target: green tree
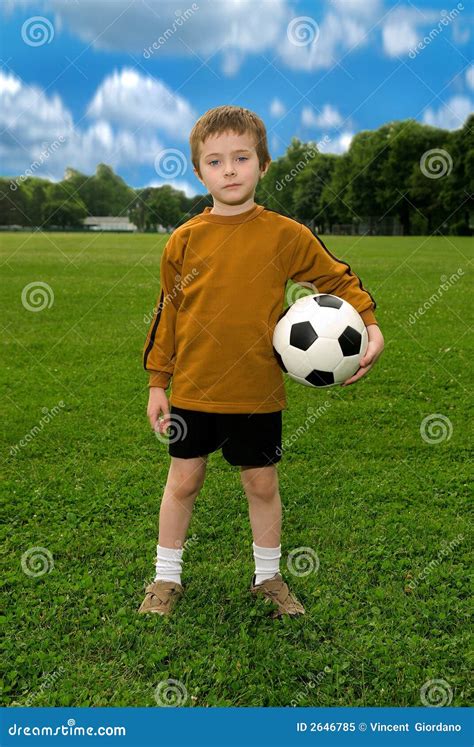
[(334, 199), (408, 142), (426, 186), (13, 204), (366, 175), (164, 207), (139, 209), (36, 192), (67, 213), (276, 189), (104, 193), (457, 186), (308, 195)]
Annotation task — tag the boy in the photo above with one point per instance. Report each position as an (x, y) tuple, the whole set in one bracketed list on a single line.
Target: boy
[(223, 279)]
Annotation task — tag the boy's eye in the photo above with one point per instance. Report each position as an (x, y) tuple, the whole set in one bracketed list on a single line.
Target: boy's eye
[(239, 158)]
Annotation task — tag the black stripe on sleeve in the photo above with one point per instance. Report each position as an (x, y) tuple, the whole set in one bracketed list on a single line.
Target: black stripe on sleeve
[(153, 331), (347, 265)]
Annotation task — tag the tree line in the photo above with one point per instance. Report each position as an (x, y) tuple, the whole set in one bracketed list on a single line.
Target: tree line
[(420, 177)]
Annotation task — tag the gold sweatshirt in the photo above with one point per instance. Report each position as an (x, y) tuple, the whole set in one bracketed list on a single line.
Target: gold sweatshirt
[(223, 281)]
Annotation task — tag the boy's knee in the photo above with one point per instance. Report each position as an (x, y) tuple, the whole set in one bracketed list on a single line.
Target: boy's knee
[(260, 483), (261, 494), (186, 485)]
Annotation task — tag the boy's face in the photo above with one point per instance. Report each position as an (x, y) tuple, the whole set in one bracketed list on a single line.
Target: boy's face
[(230, 159)]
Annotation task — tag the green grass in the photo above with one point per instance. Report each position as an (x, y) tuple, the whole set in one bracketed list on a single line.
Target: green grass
[(359, 486)]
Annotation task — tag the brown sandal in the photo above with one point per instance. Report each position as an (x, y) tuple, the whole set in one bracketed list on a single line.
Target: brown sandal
[(276, 590), (161, 596)]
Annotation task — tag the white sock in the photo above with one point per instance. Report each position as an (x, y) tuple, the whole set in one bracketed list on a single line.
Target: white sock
[(267, 562), (168, 564)]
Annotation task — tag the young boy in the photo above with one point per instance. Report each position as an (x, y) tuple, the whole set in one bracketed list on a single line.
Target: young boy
[(223, 279)]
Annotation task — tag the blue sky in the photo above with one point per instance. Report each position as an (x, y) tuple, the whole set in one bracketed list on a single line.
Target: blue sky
[(123, 81)]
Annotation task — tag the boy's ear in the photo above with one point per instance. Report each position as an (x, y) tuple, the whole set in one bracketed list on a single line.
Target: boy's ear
[(265, 169), (198, 176)]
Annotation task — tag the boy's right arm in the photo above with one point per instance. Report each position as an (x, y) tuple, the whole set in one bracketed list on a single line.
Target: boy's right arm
[(159, 350)]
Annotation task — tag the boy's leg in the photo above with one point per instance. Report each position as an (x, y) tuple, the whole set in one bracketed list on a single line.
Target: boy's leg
[(262, 491), (185, 479)]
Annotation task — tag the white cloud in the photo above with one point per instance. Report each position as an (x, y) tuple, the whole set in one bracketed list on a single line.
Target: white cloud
[(220, 32), (405, 26), (231, 62), (277, 108), (399, 38), (470, 76), (101, 142), (336, 33), (461, 31), (32, 121), (28, 119), (452, 115), (339, 144), (328, 118), (9, 84), (236, 27), (136, 100)]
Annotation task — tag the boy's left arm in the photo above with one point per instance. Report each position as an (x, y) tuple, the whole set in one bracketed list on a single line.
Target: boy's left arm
[(312, 262)]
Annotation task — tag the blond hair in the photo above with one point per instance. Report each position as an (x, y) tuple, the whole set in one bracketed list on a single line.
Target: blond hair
[(229, 118)]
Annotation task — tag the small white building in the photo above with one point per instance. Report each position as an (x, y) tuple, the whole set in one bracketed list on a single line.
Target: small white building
[(108, 223)]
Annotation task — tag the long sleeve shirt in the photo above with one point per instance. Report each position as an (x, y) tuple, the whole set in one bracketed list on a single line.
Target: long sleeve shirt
[(223, 281)]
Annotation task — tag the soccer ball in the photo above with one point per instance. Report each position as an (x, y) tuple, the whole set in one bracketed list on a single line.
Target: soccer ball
[(319, 340)]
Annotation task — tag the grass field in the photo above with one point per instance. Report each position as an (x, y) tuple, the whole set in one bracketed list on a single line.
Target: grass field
[(384, 507)]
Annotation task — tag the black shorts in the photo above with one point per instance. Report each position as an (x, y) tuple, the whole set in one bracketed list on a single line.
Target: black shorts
[(252, 440)]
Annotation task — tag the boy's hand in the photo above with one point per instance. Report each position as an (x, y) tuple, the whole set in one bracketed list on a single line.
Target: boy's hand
[(158, 403), (373, 352)]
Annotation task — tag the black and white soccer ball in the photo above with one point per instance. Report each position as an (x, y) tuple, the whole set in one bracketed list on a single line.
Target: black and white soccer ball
[(319, 340)]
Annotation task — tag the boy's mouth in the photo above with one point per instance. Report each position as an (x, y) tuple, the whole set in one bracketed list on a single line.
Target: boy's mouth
[(228, 186)]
